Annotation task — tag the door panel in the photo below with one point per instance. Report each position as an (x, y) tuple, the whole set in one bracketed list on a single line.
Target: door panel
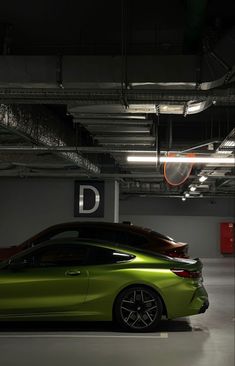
[(39, 290)]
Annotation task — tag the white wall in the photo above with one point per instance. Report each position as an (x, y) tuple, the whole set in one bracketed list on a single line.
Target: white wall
[(202, 235), (30, 205), (195, 221)]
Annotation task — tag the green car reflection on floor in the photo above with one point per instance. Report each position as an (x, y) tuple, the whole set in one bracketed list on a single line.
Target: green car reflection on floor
[(91, 281)]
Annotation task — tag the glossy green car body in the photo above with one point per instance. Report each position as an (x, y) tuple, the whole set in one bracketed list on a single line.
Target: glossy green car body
[(89, 291)]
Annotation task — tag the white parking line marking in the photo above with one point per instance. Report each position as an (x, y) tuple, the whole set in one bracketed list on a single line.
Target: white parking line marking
[(159, 335)]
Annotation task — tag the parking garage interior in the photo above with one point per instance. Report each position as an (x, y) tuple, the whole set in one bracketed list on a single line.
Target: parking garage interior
[(107, 94)]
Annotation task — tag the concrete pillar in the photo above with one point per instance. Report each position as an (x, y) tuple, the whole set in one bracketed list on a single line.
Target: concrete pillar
[(115, 201)]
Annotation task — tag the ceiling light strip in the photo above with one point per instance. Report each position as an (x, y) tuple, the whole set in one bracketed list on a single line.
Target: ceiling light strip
[(203, 178), (181, 159)]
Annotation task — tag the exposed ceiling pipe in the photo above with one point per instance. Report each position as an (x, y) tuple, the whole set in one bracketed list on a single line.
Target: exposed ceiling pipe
[(28, 173), (207, 143), (170, 195), (42, 127), (92, 149), (77, 97)]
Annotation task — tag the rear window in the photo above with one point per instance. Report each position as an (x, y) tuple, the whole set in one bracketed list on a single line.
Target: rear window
[(108, 256)]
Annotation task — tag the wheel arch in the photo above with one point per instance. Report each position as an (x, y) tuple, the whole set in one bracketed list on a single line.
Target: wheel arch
[(164, 308)]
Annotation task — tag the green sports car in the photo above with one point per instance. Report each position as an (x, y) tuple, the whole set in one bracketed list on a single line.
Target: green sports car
[(86, 280)]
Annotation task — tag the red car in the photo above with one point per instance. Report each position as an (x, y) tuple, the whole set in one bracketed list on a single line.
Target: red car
[(128, 234)]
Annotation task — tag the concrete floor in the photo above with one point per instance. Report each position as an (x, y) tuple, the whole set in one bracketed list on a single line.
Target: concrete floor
[(206, 339)]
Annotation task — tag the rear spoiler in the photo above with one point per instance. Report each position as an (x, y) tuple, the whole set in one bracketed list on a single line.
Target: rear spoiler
[(199, 262)]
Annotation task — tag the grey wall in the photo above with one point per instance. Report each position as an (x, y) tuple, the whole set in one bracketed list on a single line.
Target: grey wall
[(195, 221), (30, 205)]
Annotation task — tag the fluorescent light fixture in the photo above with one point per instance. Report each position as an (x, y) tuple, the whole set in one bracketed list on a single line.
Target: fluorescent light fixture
[(171, 108), (193, 188), (142, 108), (194, 108), (183, 199), (187, 195), (203, 178), (181, 159)]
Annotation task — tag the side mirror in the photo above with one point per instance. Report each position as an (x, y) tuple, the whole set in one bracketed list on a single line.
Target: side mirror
[(18, 265)]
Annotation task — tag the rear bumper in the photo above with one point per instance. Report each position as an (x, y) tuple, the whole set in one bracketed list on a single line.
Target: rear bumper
[(204, 307), (191, 302)]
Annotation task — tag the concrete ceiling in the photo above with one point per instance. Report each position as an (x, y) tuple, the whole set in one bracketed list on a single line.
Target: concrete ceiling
[(83, 85)]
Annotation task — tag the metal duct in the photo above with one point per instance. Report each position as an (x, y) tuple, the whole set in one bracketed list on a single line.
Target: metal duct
[(105, 72), (218, 62), (40, 126), (86, 97)]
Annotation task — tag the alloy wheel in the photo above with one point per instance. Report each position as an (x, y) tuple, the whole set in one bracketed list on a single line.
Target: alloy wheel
[(139, 308)]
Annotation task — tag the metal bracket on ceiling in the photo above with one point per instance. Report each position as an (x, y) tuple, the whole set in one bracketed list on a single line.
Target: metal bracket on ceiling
[(123, 97), (157, 109), (185, 111)]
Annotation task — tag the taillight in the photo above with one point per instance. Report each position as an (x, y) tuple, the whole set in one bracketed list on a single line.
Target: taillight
[(186, 274)]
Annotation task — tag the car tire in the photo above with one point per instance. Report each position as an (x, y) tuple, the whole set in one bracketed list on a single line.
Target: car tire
[(138, 309)]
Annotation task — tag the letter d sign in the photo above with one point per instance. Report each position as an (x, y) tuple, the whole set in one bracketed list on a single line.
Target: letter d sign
[(89, 199)]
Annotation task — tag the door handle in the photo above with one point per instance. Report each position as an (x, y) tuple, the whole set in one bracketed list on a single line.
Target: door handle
[(72, 273)]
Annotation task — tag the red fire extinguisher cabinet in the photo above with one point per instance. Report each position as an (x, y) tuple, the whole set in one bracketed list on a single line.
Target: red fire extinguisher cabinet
[(227, 237)]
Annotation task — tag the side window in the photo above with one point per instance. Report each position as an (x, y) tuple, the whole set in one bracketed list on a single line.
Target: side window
[(58, 256), (56, 234), (122, 237), (108, 256), (136, 240), (97, 233), (129, 238)]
